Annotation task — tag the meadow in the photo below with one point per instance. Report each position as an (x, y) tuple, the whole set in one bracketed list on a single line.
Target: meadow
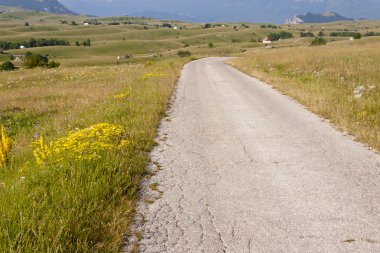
[(64, 203), (339, 81), (81, 133)]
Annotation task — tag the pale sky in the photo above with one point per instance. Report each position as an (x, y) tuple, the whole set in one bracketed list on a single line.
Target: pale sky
[(225, 10)]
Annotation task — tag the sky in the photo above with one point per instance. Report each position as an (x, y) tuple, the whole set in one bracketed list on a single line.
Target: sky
[(228, 10)]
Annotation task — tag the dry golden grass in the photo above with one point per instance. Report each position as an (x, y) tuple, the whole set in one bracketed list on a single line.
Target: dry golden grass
[(324, 79)]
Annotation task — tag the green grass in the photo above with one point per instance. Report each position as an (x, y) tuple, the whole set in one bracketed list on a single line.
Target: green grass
[(78, 206)]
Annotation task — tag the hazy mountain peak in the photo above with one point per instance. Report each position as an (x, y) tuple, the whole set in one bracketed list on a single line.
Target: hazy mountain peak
[(52, 6), (324, 17)]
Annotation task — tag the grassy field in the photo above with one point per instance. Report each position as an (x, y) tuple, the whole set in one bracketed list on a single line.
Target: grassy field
[(77, 205), (324, 79), (77, 194)]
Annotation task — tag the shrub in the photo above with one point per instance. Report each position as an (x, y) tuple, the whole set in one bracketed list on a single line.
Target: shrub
[(181, 53), (7, 66), (321, 34), (206, 26), (210, 45), (53, 65), (35, 60), (86, 43), (357, 36), (307, 34), (280, 35), (166, 25), (318, 41), (370, 34)]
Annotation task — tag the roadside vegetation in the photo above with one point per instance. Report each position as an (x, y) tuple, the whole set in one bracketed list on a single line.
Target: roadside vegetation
[(79, 148), (339, 81)]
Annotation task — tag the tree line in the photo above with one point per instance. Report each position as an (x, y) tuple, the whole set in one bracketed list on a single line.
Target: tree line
[(7, 45)]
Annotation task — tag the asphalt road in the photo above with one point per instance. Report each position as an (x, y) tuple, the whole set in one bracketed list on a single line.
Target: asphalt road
[(243, 168)]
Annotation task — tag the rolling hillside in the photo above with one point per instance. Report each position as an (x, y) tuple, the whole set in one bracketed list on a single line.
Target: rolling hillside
[(52, 6)]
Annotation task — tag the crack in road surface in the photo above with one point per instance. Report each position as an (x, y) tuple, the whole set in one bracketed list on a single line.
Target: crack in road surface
[(243, 168)]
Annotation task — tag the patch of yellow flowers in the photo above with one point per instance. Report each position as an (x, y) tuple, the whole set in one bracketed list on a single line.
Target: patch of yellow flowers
[(156, 73), (122, 95), (89, 144), (5, 147)]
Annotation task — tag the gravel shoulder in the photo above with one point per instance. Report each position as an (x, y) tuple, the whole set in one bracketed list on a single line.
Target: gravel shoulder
[(241, 168)]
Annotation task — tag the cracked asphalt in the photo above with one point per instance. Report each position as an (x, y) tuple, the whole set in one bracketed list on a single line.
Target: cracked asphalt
[(241, 168)]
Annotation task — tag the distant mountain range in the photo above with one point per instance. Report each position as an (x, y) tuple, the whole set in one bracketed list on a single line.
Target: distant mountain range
[(52, 6), (273, 11), (324, 17), (165, 16)]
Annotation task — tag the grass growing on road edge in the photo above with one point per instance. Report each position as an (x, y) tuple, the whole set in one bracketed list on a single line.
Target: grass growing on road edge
[(77, 205), (324, 79)]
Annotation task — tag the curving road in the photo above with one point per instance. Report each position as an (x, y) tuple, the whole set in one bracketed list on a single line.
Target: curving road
[(243, 168)]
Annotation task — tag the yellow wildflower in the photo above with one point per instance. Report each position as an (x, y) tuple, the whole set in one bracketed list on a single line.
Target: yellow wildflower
[(156, 73), (5, 147), (88, 144), (122, 95)]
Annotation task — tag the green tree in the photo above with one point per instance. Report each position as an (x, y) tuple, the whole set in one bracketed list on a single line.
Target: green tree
[(37, 60), (206, 26), (357, 36), (280, 35), (86, 43)]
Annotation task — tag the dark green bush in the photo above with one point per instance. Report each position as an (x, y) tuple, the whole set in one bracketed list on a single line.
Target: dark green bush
[(370, 34), (318, 42), (181, 53), (7, 66), (321, 34), (280, 35), (206, 26), (307, 34), (53, 65), (355, 35)]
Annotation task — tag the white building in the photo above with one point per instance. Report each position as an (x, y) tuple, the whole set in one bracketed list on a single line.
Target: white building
[(267, 41)]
